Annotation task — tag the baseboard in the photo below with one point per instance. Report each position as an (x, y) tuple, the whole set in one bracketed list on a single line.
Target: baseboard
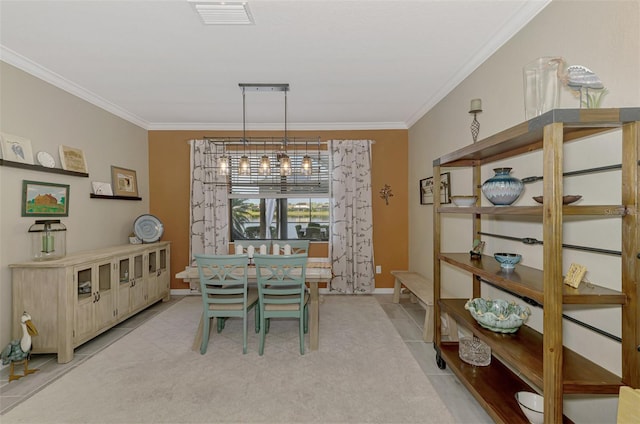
[(187, 292)]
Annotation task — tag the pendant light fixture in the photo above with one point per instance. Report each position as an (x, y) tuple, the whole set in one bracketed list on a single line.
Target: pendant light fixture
[(306, 166), (244, 166), (265, 163), (223, 166), (285, 160)]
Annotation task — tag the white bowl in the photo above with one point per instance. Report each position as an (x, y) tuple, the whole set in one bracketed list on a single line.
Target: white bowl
[(463, 200), (532, 405)]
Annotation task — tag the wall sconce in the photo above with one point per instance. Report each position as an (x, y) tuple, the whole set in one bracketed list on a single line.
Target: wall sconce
[(385, 193), (476, 107)]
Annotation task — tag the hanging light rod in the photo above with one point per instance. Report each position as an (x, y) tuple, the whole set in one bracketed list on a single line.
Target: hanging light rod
[(263, 87)]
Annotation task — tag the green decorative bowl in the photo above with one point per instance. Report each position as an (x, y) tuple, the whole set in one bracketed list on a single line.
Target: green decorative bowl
[(498, 315)]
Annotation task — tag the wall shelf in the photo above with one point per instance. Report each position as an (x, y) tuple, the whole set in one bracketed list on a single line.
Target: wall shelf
[(102, 196), (42, 168)]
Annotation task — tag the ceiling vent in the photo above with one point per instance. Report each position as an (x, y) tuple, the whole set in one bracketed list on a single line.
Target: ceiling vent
[(223, 13)]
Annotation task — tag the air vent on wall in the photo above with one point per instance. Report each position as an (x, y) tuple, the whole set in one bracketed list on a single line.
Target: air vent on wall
[(223, 13)]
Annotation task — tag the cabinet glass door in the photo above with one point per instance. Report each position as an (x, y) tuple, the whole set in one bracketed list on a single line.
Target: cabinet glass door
[(84, 283)]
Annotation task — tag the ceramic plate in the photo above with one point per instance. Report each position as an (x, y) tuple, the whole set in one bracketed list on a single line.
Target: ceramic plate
[(148, 228), (45, 159)]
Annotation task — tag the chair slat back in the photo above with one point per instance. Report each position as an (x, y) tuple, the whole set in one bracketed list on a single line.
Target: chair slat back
[(281, 279), (223, 278), (296, 247), (255, 243)]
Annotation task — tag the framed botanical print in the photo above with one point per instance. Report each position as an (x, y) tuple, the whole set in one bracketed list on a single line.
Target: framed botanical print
[(426, 189), (16, 149), (72, 159)]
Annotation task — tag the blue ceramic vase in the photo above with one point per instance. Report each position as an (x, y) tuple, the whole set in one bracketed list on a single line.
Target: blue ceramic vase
[(502, 189)]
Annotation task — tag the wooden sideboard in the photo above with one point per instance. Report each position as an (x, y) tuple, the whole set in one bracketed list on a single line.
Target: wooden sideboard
[(76, 298)]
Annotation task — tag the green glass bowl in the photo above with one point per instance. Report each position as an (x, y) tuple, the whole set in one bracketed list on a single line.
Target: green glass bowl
[(498, 315)]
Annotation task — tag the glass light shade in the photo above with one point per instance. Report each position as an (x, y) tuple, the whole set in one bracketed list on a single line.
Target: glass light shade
[(306, 166), (265, 165), (223, 167), (48, 240), (244, 168), (285, 165)]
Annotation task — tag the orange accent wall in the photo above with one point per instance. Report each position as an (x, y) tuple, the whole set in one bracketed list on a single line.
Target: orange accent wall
[(169, 192)]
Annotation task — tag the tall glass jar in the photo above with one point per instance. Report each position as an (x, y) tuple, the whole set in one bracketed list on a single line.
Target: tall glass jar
[(502, 189), (48, 239), (541, 85)]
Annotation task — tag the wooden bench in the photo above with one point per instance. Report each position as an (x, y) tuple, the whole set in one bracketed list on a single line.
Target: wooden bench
[(420, 288)]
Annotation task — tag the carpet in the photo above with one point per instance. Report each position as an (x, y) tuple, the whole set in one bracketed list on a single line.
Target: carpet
[(362, 373)]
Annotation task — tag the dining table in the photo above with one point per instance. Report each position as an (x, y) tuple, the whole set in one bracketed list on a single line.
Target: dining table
[(318, 271)]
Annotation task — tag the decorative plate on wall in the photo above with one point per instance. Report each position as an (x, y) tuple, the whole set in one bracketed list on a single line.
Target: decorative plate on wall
[(45, 159), (148, 228)]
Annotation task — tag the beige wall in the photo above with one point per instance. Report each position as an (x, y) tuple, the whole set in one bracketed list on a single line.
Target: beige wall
[(603, 36), (169, 176), (49, 117)]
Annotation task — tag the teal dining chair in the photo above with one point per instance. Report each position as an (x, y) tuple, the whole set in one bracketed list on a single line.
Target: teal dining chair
[(282, 292), (225, 293)]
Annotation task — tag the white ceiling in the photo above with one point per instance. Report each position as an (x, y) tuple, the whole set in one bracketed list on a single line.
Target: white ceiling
[(350, 64)]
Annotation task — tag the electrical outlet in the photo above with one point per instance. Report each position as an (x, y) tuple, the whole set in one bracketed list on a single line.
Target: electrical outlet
[(378, 269)]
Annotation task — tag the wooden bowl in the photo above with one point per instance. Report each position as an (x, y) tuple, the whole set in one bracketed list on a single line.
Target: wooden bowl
[(566, 200)]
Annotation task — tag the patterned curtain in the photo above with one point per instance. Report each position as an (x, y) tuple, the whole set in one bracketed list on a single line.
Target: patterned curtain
[(209, 222), (352, 224)]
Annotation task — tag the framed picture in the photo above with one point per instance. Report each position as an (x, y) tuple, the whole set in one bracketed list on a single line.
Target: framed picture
[(103, 189), (72, 159), (44, 199), (16, 149), (124, 181), (426, 189)]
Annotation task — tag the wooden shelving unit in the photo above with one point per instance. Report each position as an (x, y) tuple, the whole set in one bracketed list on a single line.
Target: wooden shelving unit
[(41, 168), (531, 357)]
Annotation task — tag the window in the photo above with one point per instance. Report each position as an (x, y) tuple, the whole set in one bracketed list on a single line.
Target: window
[(287, 218), (279, 206)]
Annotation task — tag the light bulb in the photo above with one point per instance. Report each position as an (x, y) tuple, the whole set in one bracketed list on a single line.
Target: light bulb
[(306, 165), (265, 165), (285, 165), (244, 168), (223, 169)]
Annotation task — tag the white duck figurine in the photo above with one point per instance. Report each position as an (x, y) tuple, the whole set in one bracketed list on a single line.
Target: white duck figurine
[(18, 351)]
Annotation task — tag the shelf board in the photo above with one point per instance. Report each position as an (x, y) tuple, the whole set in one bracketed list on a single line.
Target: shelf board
[(527, 136), (102, 196), (493, 386), (528, 282), (41, 168), (523, 349), (600, 210)]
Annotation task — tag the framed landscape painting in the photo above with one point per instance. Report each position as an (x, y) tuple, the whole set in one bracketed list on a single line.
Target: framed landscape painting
[(44, 199)]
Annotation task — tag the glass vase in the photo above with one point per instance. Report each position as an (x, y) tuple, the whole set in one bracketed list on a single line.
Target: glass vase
[(541, 85)]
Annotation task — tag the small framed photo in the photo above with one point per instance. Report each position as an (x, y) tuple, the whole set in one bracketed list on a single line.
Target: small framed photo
[(44, 199), (103, 189), (16, 149), (124, 181), (426, 189), (72, 159)]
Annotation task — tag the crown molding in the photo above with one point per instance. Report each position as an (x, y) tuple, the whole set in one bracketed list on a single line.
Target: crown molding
[(12, 58), (327, 126)]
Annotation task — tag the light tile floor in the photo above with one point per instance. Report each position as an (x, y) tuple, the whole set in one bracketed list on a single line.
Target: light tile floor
[(407, 318)]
